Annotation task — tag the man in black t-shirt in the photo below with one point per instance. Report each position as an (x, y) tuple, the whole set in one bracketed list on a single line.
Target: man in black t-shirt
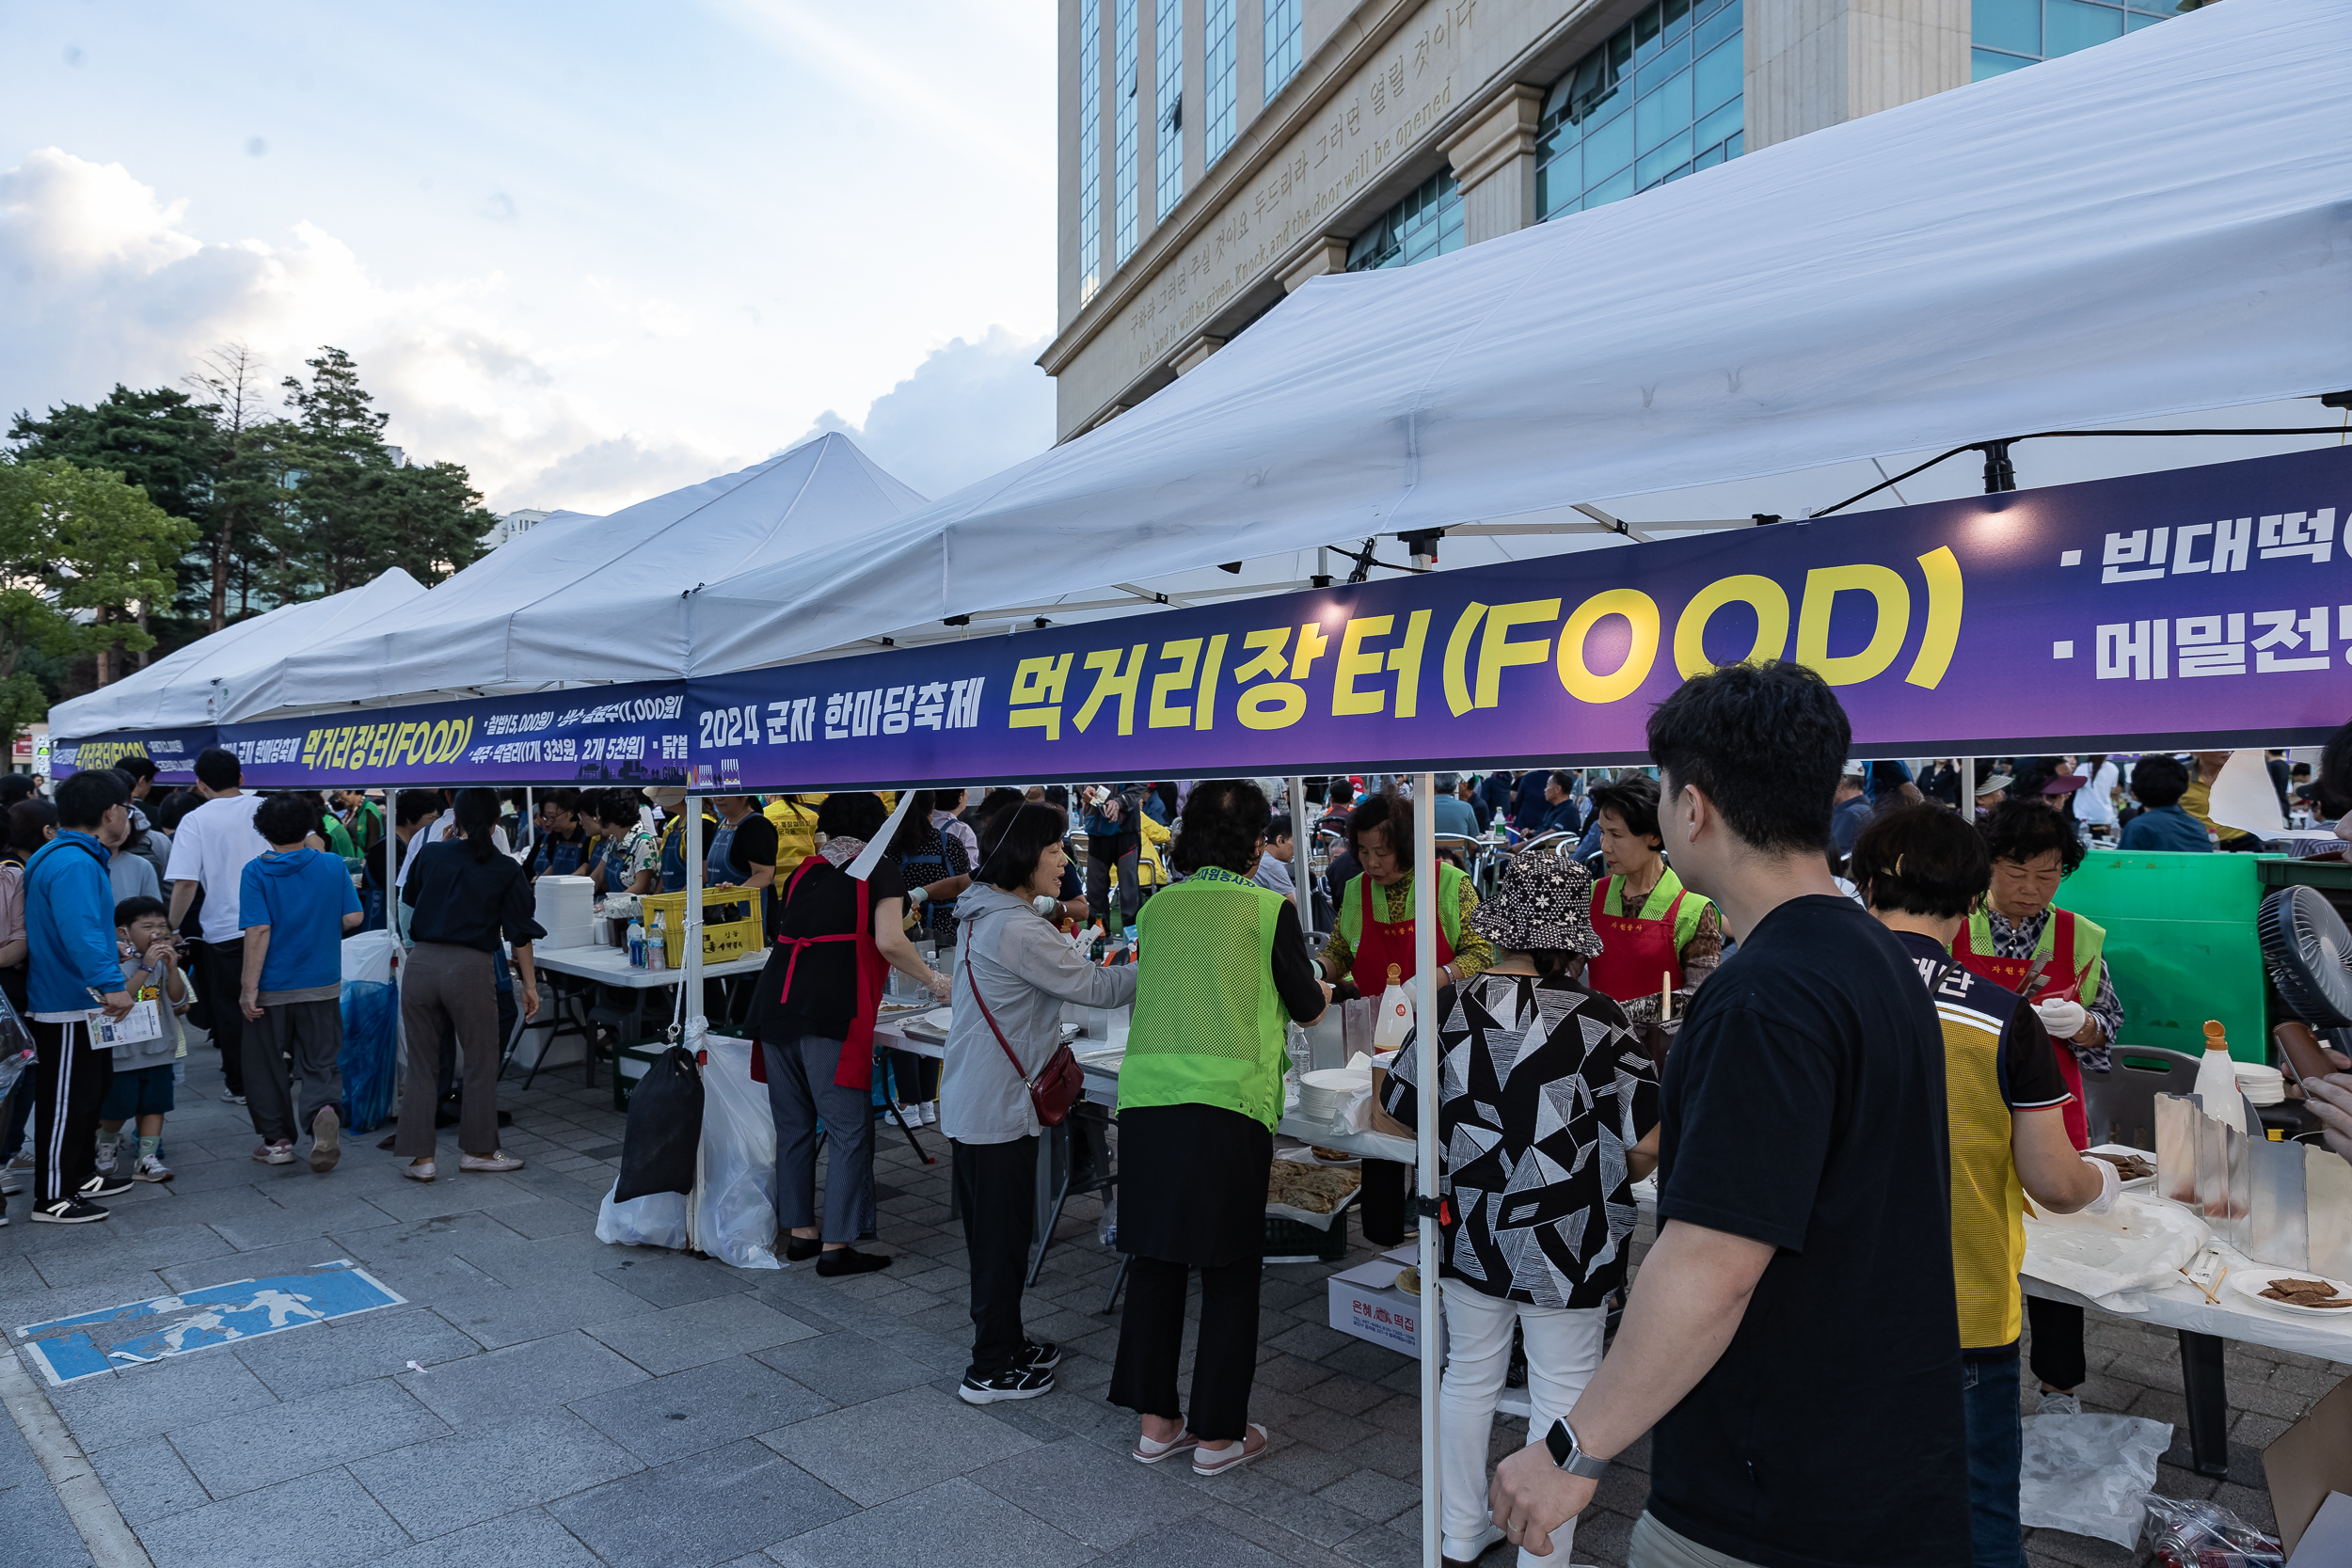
[(1791, 1342)]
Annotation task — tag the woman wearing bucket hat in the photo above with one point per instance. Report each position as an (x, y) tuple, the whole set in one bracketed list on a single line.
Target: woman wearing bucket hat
[(1555, 1105)]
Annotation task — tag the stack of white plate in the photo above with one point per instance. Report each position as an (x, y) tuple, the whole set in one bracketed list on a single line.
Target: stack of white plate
[(2264, 1086), (1324, 1096)]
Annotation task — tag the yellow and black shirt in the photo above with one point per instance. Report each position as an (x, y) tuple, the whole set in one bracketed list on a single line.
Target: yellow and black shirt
[(1997, 1060)]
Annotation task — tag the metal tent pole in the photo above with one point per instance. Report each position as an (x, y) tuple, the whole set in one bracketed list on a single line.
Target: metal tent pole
[(1302, 857), (1425, 880), (690, 984)]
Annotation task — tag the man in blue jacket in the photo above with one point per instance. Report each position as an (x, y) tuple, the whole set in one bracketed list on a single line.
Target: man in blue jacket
[(1529, 807), (69, 928)]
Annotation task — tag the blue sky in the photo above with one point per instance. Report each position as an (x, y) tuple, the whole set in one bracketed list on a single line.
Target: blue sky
[(594, 251)]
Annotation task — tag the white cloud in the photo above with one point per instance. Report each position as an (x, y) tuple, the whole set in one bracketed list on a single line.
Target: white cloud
[(969, 410)]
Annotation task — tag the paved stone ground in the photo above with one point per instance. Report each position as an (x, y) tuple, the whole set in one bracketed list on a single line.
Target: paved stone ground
[(587, 1405)]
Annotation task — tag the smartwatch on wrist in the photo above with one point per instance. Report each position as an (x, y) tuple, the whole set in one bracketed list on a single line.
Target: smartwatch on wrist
[(1569, 1456)]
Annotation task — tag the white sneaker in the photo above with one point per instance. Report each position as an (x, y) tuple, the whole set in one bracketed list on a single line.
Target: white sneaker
[(2059, 1404), (150, 1168), (931, 1112), (278, 1154), (106, 1161)]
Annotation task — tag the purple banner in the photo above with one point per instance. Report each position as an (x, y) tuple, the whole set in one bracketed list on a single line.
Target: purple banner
[(604, 734), (173, 751), (2206, 605)]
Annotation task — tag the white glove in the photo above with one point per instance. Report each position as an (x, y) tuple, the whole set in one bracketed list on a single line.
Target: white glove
[(2064, 1020), (1046, 903), (2110, 1185)]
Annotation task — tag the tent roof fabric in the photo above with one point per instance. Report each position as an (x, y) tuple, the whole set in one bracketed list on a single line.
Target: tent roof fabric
[(592, 599), (2156, 225), (193, 686)]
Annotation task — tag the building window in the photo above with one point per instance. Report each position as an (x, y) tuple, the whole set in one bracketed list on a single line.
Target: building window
[(1659, 99), (1123, 133), (1285, 43), (1168, 103), (1221, 60), (1089, 148), (2014, 33), (1426, 223)]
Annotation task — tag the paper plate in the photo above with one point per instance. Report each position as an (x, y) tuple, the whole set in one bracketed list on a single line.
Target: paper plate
[(2135, 1183), (2256, 1277)]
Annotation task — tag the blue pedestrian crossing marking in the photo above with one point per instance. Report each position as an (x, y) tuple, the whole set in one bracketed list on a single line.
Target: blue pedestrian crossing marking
[(139, 1332)]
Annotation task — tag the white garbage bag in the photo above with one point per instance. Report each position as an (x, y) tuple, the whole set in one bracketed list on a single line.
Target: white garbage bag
[(2089, 1473), (658, 1219), (735, 1200)]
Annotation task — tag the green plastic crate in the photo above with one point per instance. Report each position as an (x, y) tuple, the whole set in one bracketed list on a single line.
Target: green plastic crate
[(2181, 944)]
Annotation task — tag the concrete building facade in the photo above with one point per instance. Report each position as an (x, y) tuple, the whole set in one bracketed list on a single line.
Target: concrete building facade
[(1216, 154)]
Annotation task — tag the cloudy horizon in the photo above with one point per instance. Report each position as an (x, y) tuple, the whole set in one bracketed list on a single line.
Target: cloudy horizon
[(589, 261)]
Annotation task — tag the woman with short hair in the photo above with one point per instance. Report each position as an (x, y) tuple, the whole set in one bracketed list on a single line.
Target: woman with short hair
[(1372, 941), (1654, 931), (1223, 972), (1013, 972), (463, 896)]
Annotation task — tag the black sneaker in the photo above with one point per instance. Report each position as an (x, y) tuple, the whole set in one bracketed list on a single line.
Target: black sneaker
[(1042, 1358), (848, 1259), (68, 1211), (103, 1186), (1016, 1383)]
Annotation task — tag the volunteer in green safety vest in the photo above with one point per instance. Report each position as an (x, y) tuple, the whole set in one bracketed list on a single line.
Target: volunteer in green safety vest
[(1222, 971), (1373, 943), (1656, 935)]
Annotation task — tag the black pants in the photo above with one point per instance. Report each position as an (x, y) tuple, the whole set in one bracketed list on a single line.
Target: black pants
[(2057, 1342), (70, 1082), (223, 982), (1225, 1363), (996, 1189)]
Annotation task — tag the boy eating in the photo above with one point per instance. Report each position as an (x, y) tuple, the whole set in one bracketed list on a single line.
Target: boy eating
[(142, 1086)]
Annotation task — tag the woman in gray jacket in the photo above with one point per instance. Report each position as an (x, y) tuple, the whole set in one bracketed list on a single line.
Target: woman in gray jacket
[(1024, 970)]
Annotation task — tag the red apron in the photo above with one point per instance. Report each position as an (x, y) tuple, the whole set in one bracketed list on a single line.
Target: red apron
[(2011, 973), (1635, 954), (1382, 942), (855, 1069)]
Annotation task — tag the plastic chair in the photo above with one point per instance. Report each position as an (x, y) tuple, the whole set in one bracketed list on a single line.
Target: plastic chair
[(2120, 1103)]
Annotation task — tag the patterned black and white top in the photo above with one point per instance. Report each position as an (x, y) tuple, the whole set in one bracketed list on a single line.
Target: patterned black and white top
[(1542, 1091)]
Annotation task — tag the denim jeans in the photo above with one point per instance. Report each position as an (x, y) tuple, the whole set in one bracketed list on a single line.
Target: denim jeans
[(1996, 1451)]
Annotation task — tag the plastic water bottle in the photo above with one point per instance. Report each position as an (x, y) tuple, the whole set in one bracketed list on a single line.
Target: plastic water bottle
[(657, 941), (2216, 1082), (636, 944)]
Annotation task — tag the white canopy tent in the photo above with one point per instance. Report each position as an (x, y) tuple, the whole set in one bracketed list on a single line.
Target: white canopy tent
[(596, 599), (196, 684), (2155, 226)]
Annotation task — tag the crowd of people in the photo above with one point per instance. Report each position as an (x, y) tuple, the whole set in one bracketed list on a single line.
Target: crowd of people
[(1832, 1007)]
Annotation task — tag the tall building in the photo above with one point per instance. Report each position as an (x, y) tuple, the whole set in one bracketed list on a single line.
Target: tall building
[(1216, 154), (513, 525)]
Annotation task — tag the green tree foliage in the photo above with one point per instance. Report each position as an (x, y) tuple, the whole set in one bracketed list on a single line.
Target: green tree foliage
[(82, 553), (287, 504)]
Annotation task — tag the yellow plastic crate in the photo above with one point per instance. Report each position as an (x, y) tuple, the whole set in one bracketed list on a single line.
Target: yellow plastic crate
[(725, 935)]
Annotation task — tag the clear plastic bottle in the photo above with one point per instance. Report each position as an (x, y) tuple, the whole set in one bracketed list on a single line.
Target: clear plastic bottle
[(2216, 1082), (657, 941), (636, 944)]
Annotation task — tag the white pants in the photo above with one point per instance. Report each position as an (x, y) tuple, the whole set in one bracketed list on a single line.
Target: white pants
[(1563, 1353)]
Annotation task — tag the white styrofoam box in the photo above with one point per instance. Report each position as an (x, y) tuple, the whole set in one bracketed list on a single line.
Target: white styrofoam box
[(1366, 1303), (567, 936), (565, 904)]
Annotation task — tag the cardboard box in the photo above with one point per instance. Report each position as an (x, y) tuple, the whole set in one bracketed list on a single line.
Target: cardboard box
[(2311, 1459), (1366, 1303)]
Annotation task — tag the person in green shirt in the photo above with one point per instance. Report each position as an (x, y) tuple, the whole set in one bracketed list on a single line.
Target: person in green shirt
[(1222, 972)]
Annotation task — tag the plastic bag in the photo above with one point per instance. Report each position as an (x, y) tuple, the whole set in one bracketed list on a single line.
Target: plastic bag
[(12, 1066), (655, 1220), (2089, 1473), (2186, 1534), (371, 1009), (735, 1206), (665, 1124), (2142, 1242)]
